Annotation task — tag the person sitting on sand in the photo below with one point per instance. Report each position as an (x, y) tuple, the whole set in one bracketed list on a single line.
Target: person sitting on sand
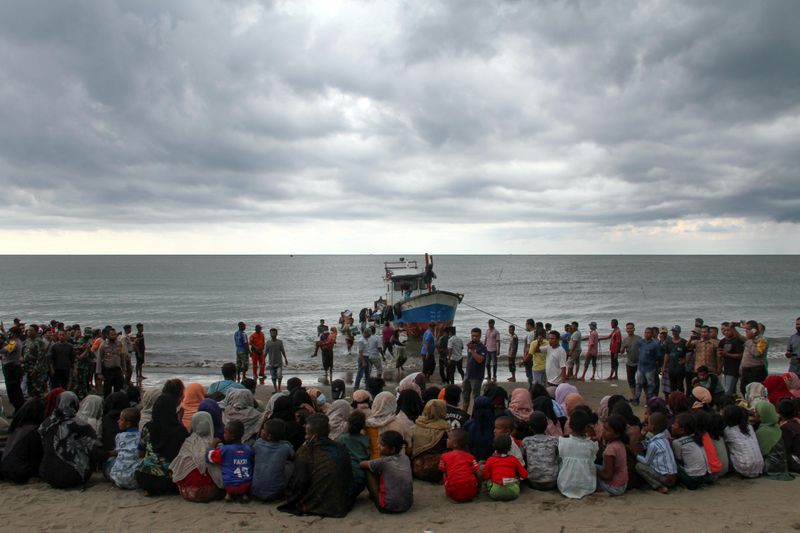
[(23, 451), (577, 474), (236, 462), (197, 480), (502, 471), (121, 466), (429, 441), (657, 467), (67, 444), (322, 481), (273, 462), (460, 468), (389, 477), (742, 443), (612, 475), (219, 389), (160, 441), (541, 454)]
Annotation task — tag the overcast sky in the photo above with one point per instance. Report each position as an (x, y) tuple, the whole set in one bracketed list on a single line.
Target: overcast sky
[(379, 127)]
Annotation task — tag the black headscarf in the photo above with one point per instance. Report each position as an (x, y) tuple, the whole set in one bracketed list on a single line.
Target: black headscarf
[(544, 404), (112, 408), (31, 412), (283, 410), (166, 431), (410, 403), (431, 393), (337, 390), (375, 386), (300, 397)]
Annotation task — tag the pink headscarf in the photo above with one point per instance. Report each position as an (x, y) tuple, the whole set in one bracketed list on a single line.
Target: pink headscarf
[(521, 405), (572, 401), (562, 391)]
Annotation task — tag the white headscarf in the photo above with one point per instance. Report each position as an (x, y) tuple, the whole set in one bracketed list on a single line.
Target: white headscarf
[(338, 413), (239, 406), (192, 455), (91, 411)]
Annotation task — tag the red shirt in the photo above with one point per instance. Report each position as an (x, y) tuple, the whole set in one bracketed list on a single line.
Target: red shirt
[(616, 341), (459, 467), (503, 469)]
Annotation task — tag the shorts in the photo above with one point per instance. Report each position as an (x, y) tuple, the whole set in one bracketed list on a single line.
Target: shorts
[(241, 488), (376, 364), (276, 373), (631, 370), (503, 493), (327, 359), (242, 362), (401, 357), (428, 364)]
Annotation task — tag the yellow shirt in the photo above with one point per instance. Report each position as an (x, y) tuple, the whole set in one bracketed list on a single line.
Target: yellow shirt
[(539, 357)]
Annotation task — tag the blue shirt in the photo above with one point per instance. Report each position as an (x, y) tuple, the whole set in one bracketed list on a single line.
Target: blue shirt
[(271, 462), (476, 370), (236, 463), (649, 355), (428, 340), (240, 339), (659, 454), (223, 387), (565, 341)]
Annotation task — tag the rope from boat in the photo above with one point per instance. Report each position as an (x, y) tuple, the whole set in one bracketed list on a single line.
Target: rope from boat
[(491, 315)]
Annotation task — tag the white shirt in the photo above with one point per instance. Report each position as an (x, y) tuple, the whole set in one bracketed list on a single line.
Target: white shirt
[(556, 360), (457, 345)]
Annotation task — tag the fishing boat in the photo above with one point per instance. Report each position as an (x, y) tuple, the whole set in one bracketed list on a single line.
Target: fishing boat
[(412, 301)]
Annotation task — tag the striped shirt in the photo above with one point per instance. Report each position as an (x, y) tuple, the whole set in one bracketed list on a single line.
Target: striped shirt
[(659, 454)]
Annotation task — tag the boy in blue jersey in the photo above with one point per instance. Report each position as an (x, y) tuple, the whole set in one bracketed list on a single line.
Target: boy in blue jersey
[(236, 462)]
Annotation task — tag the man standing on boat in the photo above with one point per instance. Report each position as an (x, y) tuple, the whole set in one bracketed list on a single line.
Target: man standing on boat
[(492, 343), (429, 351)]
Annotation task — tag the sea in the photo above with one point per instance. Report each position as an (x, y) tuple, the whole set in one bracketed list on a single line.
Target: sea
[(190, 305)]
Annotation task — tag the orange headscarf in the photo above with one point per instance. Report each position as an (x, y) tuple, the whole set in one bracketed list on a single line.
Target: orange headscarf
[(192, 396)]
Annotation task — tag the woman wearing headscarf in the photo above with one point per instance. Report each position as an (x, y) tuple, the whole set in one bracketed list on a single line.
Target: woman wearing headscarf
[(572, 401), (23, 452), (429, 441), (67, 444), (545, 405), (192, 396), (91, 412), (338, 413), (215, 411), (776, 389), (792, 384), (112, 408), (702, 398), (383, 418), (497, 396), (51, 401), (770, 441), (362, 400), (480, 427), (755, 392), (562, 391), (521, 406), (239, 406), (282, 410), (414, 381), (409, 405), (148, 401), (196, 478), (161, 440), (431, 393), (302, 401)]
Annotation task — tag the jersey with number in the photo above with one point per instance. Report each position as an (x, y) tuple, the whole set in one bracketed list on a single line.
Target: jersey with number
[(236, 463)]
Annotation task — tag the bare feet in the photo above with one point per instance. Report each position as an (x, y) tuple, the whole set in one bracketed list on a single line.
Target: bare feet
[(663, 490)]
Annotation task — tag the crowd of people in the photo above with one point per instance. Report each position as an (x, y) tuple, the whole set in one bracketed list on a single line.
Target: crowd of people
[(313, 454)]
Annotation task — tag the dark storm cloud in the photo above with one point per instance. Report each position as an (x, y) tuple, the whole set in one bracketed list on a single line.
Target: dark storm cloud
[(116, 114)]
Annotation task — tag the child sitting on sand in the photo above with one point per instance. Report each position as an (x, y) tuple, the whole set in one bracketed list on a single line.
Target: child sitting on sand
[(461, 471), (357, 445), (742, 443), (503, 471), (657, 467), (389, 478), (273, 461), (125, 456), (236, 461), (687, 445), (612, 475), (577, 474), (504, 425), (541, 454)]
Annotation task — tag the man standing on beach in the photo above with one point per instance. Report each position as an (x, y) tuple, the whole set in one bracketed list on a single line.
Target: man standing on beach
[(322, 328), (556, 369), (574, 351), (753, 368), (690, 363), (492, 343), (129, 342), (455, 356), (369, 353), (242, 351), (36, 362), (614, 348), (527, 357), (705, 351), (675, 360), (140, 351), (513, 344), (730, 352), (647, 371), (591, 352), (62, 359), (630, 347), (277, 358), (476, 361), (12, 367), (111, 363), (257, 356), (429, 351), (793, 349), (325, 345)]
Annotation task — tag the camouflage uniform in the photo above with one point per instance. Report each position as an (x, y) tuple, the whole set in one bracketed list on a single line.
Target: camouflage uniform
[(84, 367), (36, 365)]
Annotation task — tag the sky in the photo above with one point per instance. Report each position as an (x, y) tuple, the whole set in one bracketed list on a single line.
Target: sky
[(571, 127)]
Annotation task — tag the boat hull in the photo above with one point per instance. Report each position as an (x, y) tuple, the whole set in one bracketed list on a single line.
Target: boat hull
[(418, 312)]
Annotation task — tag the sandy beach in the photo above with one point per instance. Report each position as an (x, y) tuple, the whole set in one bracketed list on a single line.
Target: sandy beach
[(731, 504)]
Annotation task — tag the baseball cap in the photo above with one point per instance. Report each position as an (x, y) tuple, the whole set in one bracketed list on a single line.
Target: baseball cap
[(663, 329), (593, 324), (676, 328)]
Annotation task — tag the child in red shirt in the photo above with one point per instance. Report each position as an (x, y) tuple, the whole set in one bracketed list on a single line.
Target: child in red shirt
[(502, 472), (461, 471)]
